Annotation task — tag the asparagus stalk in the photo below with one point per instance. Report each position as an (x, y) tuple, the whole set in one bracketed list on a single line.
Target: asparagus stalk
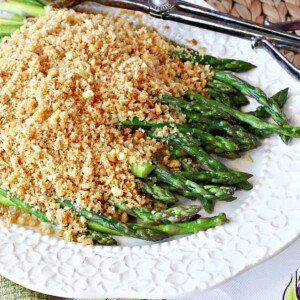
[(218, 141), (178, 152), (221, 153), (209, 124), (150, 232), (142, 170), (239, 99), (24, 8), (280, 98), (7, 26), (190, 226), (189, 145), (225, 144), (205, 192), (247, 118), (217, 63), (217, 177), (270, 105), (207, 204), (221, 86), (236, 96), (242, 135), (185, 193), (158, 193), (6, 200), (204, 110), (109, 225), (221, 97), (171, 215), (188, 167), (223, 193), (100, 238), (181, 182)]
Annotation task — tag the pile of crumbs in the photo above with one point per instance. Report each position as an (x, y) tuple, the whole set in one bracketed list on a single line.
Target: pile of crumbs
[(66, 81)]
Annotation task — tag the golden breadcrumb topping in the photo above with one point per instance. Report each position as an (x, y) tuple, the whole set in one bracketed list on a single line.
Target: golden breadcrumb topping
[(66, 82)]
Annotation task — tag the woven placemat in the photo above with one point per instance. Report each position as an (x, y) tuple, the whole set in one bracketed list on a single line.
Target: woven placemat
[(258, 11), (12, 291)]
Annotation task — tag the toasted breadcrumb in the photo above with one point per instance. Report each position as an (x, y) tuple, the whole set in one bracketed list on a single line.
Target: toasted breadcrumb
[(65, 83)]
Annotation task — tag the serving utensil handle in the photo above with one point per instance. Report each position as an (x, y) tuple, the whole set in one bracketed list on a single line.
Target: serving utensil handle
[(262, 43), (268, 38)]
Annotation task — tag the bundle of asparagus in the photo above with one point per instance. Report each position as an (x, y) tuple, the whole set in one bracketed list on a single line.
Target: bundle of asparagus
[(215, 126)]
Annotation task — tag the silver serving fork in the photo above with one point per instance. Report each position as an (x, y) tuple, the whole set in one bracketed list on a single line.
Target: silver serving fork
[(268, 37)]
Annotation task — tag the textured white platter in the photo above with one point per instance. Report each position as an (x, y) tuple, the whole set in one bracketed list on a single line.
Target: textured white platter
[(263, 221)]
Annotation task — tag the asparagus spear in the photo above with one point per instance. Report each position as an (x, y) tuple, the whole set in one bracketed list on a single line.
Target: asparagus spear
[(150, 232), (209, 124), (280, 98), (24, 8), (218, 141), (190, 226), (178, 152), (221, 153), (223, 193), (243, 145), (260, 112), (221, 86), (270, 105), (239, 99), (100, 238), (189, 145), (207, 204), (171, 215), (217, 177), (225, 144), (7, 26), (242, 135), (6, 200), (217, 63), (236, 96), (158, 193), (188, 167), (15, 201), (109, 225), (181, 182), (219, 96), (204, 192), (195, 106), (247, 118), (185, 193)]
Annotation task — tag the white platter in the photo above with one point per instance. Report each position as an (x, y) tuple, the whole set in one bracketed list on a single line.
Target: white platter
[(263, 221)]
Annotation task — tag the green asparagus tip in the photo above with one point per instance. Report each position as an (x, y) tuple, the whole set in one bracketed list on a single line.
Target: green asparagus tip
[(222, 218), (100, 238)]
